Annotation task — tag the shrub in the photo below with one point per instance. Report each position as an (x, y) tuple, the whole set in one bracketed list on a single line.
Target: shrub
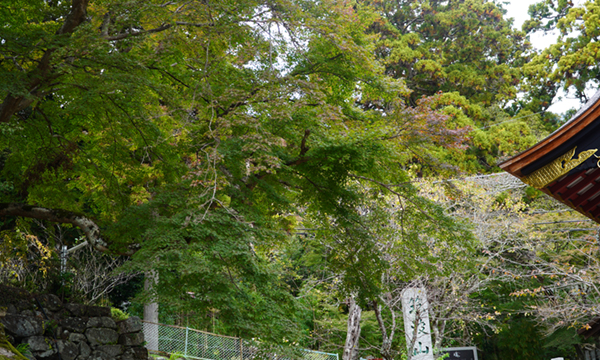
[(118, 315)]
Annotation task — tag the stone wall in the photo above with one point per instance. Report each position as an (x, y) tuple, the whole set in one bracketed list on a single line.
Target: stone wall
[(57, 331)]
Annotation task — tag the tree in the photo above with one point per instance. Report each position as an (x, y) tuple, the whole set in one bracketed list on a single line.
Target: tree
[(469, 53), (353, 333), (531, 275), (411, 245), (466, 47), (188, 134), (571, 62)]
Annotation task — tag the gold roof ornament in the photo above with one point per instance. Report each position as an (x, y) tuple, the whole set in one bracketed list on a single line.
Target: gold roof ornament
[(557, 168)]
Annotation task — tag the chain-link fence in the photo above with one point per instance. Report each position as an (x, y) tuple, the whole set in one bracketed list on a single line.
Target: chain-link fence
[(196, 344)]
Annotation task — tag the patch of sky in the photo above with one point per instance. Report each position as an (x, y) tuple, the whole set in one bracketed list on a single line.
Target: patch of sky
[(283, 42)]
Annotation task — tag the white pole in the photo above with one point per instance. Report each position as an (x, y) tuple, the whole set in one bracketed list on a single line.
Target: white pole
[(187, 329)]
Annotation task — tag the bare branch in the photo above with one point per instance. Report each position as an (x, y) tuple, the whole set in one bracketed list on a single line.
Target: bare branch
[(156, 30), (138, 33)]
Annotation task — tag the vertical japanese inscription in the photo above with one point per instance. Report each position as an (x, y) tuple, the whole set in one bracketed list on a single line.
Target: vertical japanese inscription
[(416, 324)]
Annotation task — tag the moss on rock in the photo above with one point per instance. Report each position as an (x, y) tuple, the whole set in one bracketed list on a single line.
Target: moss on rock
[(7, 350)]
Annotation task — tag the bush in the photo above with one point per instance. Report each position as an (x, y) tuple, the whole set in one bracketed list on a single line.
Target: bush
[(118, 315)]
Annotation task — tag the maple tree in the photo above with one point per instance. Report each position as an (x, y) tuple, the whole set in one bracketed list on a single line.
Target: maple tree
[(192, 135)]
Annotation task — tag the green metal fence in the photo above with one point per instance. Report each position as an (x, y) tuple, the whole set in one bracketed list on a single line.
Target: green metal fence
[(196, 344)]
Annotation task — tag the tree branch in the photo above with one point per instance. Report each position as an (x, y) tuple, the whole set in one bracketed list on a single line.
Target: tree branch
[(138, 33), (89, 227), (377, 310), (303, 147), (155, 30), (77, 15), (389, 188), (13, 104)]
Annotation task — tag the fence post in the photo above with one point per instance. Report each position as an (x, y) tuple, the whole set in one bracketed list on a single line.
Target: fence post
[(241, 349), (187, 329)]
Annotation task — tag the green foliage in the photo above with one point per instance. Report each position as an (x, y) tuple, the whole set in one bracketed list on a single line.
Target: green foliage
[(6, 345), (24, 349), (118, 314), (528, 246), (176, 355), (570, 63), (205, 136), (202, 142), (469, 54), (520, 337), (50, 328), (480, 67)]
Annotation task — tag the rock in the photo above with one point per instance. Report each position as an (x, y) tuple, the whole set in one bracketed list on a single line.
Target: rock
[(77, 338), (39, 343), (101, 336), (46, 343), (5, 352), (140, 353), (128, 354), (99, 355), (48, 356), (97, 311), (50, 302), (62, 314), (67, 350), (20, 326), (62, 333), (101, 322), (133, 339), (111, 350), (76, 310), (82, 332), (23, 305), (84, 350), (74, 324), (130, 325)]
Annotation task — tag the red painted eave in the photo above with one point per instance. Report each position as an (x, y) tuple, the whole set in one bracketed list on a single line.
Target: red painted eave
[(578, 123)]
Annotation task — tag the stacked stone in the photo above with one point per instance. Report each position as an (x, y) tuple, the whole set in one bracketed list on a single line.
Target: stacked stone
[(71, 331)]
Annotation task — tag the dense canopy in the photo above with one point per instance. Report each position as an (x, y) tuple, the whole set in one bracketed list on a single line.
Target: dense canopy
[(269, 156)]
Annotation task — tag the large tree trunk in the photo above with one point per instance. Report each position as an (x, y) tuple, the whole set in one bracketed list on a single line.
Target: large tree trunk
[(353, 334), (151, 312)]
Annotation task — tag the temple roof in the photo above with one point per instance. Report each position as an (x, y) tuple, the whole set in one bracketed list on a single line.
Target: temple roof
[(565, 165)]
